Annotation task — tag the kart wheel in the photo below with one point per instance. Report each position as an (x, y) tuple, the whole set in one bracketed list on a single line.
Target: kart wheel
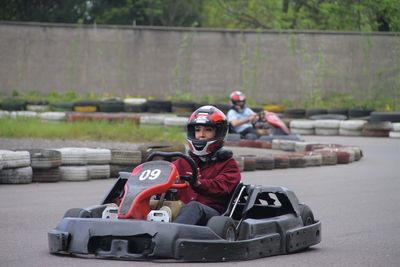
[(223, 226), (306, 214), (77, 213)]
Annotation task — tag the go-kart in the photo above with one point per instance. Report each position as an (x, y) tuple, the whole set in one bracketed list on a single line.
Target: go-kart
[(129, 224)]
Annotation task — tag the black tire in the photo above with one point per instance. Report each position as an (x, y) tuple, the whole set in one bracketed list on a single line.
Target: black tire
[(385, 116), (159, 106), (294, 113), (111, 105), (77, 213), (223, 226), (315, 111), (306, 214)]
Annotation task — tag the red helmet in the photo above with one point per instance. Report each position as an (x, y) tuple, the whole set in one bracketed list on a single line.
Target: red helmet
[(207, 116), (237, 96)]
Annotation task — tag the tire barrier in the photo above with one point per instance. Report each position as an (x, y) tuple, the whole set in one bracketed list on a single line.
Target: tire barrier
[(53, 116), (23, 114), (99, 171), (274, 108), (249, 162), (110, 105), (303, 127), (85, 106), (297, 160), (111, 117), (135, 105), (385, 116), (12, 104), (315, 112), (46, 175), (294, 113), (45, 158), (159, 106), (124, 161), (62, 107), (15, 167), (327, 127), (395, 132), (22, 175), (265, 162), (183, 108), (74, 173)]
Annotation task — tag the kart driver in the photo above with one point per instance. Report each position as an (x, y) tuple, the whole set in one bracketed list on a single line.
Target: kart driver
[(218, 172), (240, 117)]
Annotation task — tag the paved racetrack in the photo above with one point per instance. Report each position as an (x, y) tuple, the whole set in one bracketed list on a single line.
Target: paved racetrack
[(358, 205)]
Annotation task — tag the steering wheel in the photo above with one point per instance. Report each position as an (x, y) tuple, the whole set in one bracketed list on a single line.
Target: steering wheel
[(192, 179)]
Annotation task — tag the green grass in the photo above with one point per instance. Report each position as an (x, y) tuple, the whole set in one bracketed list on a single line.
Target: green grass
[(95, 131)]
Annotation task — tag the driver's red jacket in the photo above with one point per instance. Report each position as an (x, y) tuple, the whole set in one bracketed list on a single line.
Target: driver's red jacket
[(218, 180)]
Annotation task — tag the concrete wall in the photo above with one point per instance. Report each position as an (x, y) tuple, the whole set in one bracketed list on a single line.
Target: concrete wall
[(142, 61)]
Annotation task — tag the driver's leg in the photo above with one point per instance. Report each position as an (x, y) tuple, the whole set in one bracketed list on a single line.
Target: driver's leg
[(195, 213)]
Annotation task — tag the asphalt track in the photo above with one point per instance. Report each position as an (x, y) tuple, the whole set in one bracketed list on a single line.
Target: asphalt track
[(358, 205)]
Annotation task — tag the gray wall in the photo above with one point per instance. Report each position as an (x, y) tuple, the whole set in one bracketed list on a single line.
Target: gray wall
[(160, 62)]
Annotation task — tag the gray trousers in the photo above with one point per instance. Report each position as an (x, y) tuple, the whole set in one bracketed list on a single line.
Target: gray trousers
[(195, 213)]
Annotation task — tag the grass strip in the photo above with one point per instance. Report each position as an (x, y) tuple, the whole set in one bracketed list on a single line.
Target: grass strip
[(121, 131)]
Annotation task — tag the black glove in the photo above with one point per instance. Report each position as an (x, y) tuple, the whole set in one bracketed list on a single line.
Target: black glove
[(189, 178)]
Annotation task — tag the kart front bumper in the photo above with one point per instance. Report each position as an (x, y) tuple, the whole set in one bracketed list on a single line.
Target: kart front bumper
[(138, 240)]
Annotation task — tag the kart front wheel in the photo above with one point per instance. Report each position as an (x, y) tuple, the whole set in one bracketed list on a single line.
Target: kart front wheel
[(223, 226), (306, 214)]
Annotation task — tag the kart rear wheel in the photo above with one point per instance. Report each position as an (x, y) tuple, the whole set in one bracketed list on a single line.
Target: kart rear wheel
[(306, 214), (223, 226)]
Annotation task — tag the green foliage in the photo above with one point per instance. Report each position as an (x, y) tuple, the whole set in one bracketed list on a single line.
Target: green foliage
[(343, 15), (99, 131)]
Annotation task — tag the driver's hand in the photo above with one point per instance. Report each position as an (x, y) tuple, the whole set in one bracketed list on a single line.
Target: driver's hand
[(253, 118), (194, 183)]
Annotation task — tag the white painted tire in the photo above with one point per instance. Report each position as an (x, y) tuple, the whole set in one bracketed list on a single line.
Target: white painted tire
[(135, 101), (38, 108), (395, 126), (98, 156), (126, 157), (346, 132), (15, 159), (313, 159), (21, 175), (4, 114), (99, 171), (175, 121), (23, 114), (73, 156), (154, 119), (53, 116), (285, 145), (327, 131), (302, 124), (352, 124), (302, 131), (74, 173), (327, 124), (393, 134)]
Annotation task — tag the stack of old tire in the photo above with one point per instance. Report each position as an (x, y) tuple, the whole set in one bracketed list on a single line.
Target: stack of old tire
[(73, 164), (15, 167), (124, 160), (295, 154), (98, 163), (45, 165), (381, 124)]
